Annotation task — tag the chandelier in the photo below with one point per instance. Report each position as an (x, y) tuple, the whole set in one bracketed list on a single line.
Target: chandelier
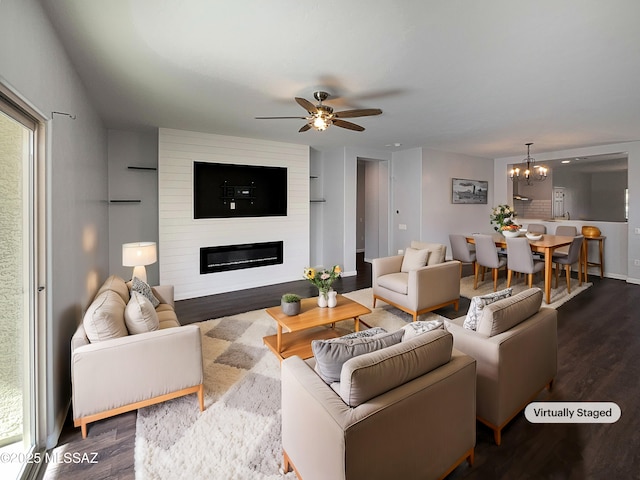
[(531, 173)]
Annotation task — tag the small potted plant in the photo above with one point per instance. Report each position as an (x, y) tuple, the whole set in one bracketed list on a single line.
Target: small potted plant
[(290, 304)]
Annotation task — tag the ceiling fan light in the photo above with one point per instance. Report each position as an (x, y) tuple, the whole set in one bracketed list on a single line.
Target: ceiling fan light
[(320, 124)]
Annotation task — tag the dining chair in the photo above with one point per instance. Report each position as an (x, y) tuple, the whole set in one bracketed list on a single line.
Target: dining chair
[(462, 250), (569, 259), (487, 257), (565, 231), (520, 259), (536, 228)]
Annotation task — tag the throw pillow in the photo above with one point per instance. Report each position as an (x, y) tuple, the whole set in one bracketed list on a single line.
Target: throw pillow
[(503, 315), (139, 286), (331, 354), (479, 302), (104, 319), (414, 259), (413, 329), (369, 332), (139, 315)]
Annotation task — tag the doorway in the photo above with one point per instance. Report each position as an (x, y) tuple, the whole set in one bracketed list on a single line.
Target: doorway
[(372, 205)]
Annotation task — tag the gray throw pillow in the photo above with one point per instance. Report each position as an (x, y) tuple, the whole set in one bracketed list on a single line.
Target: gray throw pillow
[(478, 303), (331, 354), (139, 286)]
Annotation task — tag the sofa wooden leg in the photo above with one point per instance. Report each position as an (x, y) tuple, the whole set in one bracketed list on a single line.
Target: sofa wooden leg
[(286, 463), (471, 457), (550, 385), (497, 436), (201, 397), (83, 429)]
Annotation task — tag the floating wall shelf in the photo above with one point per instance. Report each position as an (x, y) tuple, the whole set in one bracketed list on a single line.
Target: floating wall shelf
[(150, 169), (125, 201)]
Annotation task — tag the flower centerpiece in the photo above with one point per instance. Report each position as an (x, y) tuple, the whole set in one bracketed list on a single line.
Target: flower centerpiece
[(323, 279), (503, 217)]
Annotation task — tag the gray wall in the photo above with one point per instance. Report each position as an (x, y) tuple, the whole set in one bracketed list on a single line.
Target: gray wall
[(38, 69), (132, 222), (607, 194), (440, 216), (406, 195)]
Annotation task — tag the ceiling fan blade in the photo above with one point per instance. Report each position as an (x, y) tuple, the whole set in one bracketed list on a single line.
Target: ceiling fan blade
[(272, 118), (304, 128), (351, 126), (307, 105), (360, 112)]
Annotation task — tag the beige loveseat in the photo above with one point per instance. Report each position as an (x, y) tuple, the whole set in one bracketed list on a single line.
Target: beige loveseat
[(405, 411), (125, 357), (417, 286), (516, 346)]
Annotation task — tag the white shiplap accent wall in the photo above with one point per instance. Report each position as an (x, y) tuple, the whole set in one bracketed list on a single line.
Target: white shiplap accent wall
[(180, 236)]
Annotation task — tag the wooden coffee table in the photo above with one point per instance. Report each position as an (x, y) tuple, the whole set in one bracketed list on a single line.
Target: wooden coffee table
[(308, 325)]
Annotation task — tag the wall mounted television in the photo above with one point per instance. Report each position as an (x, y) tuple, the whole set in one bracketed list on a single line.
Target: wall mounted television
[(224, 190)]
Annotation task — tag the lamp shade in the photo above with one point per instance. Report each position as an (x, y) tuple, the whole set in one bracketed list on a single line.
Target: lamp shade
[(138, 254)]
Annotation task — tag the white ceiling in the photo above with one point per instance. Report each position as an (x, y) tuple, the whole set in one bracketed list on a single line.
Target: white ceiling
[(475, 77)]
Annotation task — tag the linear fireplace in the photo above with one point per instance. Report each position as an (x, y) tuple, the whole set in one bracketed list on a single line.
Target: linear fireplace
[(236, 257)]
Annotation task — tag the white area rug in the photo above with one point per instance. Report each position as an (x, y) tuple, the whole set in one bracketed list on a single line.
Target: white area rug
[(559, 295), (237, 437)]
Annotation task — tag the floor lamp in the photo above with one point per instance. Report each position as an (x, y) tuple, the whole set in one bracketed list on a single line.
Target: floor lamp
[(138, 255)]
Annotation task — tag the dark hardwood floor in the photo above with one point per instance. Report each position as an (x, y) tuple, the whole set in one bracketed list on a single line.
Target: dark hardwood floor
[(598, 360)]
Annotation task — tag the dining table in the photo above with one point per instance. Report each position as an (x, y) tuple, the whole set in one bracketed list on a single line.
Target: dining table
[(546, 246)]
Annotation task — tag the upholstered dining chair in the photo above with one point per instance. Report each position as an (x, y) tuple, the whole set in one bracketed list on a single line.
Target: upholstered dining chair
[(520, 259), (487, 257), (536, 228), (565, 231), (569, 259), (462, 251)]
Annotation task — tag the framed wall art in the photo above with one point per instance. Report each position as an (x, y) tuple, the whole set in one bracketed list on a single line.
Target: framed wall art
[(469, 191)]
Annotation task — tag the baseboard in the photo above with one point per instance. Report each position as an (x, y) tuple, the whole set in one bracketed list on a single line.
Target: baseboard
[(54, 435)]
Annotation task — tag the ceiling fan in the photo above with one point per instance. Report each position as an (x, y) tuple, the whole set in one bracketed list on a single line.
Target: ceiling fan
[(322, 116)]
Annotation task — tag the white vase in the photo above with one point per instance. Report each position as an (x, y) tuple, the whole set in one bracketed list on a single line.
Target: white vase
[(332, 301), (323, 299)]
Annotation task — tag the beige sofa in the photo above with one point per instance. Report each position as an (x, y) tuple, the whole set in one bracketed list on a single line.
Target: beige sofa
[(516, 346), (433, 285), (405, 411), (116, 371)]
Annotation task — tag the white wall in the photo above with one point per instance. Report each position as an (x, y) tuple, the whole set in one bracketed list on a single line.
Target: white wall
[(181, 236), (132, 222), (440, 216), (34, 64)]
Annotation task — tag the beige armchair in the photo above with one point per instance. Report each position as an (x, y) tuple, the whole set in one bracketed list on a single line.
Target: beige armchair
[(418, 290), (515, 345), (406, 411)]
